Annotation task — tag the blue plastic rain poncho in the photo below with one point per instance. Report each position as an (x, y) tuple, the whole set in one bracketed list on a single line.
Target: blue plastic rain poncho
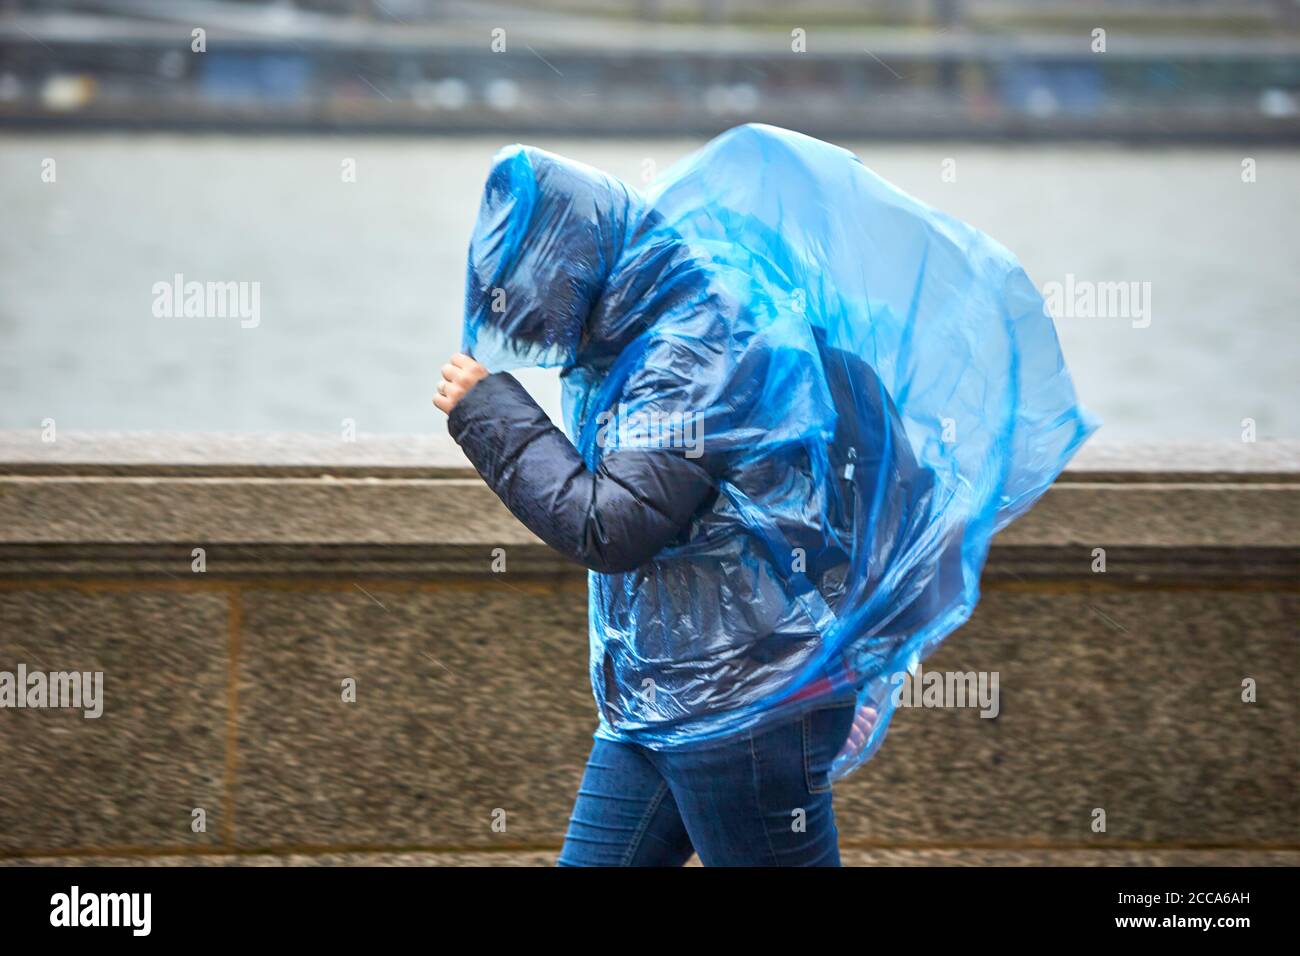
[(799, 405)]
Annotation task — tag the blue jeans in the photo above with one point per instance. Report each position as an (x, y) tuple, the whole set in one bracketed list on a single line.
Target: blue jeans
[(756, 799)]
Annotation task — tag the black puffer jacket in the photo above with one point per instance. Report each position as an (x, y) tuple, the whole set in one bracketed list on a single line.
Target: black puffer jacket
[(612, 520), (632, 521)]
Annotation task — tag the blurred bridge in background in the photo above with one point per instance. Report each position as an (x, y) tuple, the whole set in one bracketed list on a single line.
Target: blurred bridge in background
[(1177, 70)]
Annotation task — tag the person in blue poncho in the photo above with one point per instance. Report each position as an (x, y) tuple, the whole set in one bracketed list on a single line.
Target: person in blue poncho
[(799, 404)]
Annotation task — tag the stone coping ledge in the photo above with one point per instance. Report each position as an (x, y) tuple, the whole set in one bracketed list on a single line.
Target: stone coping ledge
[(209, 454), (435, 455), (309, 491)]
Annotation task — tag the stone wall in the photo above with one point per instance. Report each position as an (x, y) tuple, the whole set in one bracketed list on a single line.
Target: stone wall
[(372, 561)]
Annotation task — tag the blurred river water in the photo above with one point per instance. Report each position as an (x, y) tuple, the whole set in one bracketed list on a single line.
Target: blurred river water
[(355, 247)]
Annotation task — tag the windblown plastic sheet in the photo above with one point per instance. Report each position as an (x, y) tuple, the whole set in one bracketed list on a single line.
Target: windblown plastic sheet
[(876, 387)]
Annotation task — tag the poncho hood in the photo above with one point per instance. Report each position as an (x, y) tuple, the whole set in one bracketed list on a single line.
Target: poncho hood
[(549, 231)]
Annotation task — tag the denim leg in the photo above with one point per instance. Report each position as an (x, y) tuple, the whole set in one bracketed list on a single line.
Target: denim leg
[(762, 799), (625, 814)]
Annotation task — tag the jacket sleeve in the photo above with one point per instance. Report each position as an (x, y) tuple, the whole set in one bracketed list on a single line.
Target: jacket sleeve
[(611, 520)]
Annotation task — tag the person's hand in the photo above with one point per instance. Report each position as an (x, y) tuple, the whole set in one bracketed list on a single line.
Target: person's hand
[(864, 721), (459, 375)]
